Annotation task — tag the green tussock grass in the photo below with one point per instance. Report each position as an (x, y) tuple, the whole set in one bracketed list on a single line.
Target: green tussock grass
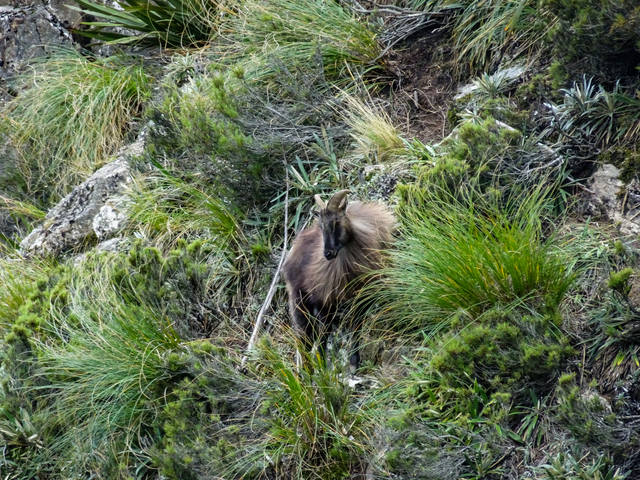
[(374, 134), (105, 384), (317, 425), (299, 32), (71, 114), (99, 345), (483, 31), (168, 208), (467, 255), (484, 28)]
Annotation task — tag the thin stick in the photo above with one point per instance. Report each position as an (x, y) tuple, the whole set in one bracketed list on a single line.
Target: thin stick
[(274, 283)]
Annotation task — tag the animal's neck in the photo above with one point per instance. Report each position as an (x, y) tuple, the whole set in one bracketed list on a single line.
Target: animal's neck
[(349, 263)]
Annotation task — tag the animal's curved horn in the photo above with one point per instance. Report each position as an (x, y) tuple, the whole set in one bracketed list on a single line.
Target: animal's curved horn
[(334, 203), (319, 202)]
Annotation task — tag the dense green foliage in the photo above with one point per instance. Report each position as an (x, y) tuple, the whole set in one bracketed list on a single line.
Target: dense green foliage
[(500, 340), (188, 23)]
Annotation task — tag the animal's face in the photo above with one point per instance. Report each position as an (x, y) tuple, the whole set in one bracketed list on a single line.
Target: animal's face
[(335, 232)]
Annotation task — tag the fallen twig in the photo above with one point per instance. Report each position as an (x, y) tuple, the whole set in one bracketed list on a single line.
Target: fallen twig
[(274, 284)]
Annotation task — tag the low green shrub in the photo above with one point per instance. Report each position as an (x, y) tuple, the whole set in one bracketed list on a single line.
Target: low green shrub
[(618, 280), (505, 352), (491, 156), (614, 342), (209, 427), (197, 137), (590, 418), (187, 285), (429, 450), (597, 38)]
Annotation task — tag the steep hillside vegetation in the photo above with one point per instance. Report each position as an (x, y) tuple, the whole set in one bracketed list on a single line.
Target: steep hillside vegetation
[(151, 180)]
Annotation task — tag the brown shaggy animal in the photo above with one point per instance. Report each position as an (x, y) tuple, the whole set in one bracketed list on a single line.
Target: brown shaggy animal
[(326, 261)]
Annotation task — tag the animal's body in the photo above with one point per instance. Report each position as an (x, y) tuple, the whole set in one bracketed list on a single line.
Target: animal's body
[(327, 261)]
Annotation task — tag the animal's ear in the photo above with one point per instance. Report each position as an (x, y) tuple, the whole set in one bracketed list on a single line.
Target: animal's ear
[(321, 205), (338, 202)]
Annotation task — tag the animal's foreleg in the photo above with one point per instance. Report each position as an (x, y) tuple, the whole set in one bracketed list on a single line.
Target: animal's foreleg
[(354, 359), (304, 332), (323, 335)]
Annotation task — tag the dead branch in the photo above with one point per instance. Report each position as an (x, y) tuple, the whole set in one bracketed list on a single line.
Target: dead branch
[(274, 283)]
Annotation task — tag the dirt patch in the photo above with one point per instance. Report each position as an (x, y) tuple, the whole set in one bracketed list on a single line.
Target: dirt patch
[(424, 86)]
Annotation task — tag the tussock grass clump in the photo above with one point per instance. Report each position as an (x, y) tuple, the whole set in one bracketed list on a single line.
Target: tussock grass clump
[(297, 31), (465, 255), (374, 134), (71, 113), (97, 347), (317, 425), (484, 31), (168, 208), (105, 384)]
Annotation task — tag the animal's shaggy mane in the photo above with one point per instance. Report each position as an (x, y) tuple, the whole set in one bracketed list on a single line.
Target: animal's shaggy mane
[(372, 226)]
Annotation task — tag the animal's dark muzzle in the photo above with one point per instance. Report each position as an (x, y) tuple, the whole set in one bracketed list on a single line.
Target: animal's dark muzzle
[(330, 254)]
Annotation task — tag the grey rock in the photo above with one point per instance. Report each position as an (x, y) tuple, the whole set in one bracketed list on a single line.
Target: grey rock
[(27, 32), (97, 208), (111, 217), (114, 245), (71, 222), (605, 187), (67, 16), (612, 200)]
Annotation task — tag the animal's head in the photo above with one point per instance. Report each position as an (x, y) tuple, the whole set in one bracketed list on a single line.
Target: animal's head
[(336, 229)]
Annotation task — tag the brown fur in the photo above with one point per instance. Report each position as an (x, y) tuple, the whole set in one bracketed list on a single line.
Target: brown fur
[(316, 285)]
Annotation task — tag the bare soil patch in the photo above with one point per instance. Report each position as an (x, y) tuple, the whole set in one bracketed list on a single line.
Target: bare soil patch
[(423, 89)]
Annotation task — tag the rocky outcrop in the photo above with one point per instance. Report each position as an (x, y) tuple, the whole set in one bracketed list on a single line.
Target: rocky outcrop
[(26, 32), (30, 29), (611, 199), (96, 209)]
